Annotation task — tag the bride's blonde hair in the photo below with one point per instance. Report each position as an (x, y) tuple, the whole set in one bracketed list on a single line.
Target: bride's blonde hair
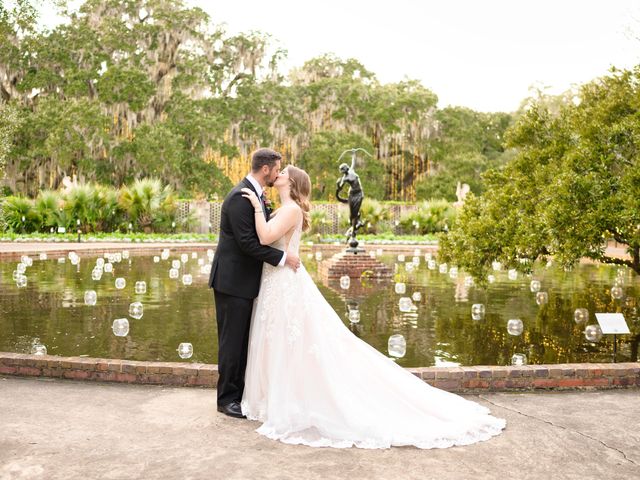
[(300, 191)]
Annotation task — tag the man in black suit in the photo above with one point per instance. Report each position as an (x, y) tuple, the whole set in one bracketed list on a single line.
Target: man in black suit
[(235, 276)]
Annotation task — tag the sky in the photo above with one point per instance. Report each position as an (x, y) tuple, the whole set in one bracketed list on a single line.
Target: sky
[(482, 54)]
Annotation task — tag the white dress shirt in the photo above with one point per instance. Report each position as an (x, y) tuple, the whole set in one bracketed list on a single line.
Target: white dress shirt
[(259, 191)]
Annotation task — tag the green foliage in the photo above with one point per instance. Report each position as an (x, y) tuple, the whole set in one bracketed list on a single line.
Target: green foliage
[(374, 216), (469, 143), (320, 162), (125, 85), (318, 220), (148, 204), (120, 91), (127, 90), (113, 237), (19, 215), (78, 205), (574, 183), (107, 211), (48, 206), (430, 217), (9, 123)]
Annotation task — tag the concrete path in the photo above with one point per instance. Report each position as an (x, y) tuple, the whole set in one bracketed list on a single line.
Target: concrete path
[(57, 429)]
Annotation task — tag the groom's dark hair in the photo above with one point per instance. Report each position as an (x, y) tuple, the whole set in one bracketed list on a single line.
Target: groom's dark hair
[(264, 156)]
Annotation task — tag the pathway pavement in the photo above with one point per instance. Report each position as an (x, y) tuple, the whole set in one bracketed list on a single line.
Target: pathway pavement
[(57, 429)]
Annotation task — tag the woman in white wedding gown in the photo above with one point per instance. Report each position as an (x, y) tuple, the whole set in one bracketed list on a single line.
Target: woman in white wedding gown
[(313, 382)]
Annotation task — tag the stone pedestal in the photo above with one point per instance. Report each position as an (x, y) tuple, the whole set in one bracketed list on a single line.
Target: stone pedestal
[(352, 265)]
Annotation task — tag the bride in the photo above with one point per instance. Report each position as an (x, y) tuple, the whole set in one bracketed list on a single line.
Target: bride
[(310, 381)]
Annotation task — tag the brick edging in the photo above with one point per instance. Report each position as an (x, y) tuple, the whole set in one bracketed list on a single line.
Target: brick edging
[(568, 376)]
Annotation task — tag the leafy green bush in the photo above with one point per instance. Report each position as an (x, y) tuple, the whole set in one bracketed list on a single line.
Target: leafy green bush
[(146, 205), (19, 215), (109, 215), (430, 217), (79, 205), (48, 206), (374, 216), (149, 205), (318, 220)]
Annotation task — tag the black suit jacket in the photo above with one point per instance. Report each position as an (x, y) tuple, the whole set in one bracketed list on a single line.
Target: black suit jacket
[(237, 264)]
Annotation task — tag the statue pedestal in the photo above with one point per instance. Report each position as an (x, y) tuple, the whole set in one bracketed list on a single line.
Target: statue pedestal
[(353, 265)]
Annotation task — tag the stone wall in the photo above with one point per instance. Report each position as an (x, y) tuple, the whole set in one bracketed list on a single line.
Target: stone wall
[(476, 379)]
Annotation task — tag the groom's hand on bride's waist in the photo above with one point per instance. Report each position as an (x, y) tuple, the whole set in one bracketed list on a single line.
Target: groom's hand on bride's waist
[(292, 261)]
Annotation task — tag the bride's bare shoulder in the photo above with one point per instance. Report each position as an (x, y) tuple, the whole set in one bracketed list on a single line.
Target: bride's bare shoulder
[(292, 210)]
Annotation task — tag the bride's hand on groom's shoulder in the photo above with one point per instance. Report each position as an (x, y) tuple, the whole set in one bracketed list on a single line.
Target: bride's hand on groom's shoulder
[(251, 195)]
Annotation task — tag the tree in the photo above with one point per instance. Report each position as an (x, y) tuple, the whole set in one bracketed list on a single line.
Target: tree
[(573, 184), (320, 161), (125, 89), (9, 123), (97, 90), (468, 144)]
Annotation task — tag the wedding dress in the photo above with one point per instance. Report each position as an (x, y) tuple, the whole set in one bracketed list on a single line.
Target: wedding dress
[(311, 381)]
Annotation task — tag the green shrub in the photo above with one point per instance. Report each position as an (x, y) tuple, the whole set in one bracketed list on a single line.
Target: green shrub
[(79, 204), (318, 220), (150, 206), (109, 216), (19, 215), (430, 217), (375, 216), (48, 206)]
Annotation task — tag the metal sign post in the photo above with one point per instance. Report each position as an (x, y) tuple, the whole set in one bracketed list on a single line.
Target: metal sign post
[(613, 324)]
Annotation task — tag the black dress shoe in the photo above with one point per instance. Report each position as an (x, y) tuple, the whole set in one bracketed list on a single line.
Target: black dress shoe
[(232, 409)]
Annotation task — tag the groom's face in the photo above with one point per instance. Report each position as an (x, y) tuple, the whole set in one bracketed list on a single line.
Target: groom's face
[(272, 174)]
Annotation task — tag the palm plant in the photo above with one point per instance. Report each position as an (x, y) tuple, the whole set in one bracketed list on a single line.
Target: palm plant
[(48, 206), (78, 205), (430, 217), (107, 211), (318, 219), (166, 216), (147, 203), (374, 216), (19, 215)]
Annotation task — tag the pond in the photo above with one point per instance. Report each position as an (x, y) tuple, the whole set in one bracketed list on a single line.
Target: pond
[(438, 328)]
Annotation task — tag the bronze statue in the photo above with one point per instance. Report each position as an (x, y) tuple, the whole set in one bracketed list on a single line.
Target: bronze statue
[(356, 195)]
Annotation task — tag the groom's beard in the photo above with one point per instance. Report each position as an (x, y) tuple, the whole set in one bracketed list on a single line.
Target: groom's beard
[(270, 184)]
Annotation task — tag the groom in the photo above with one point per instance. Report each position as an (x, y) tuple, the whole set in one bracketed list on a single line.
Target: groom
[(235, 276)]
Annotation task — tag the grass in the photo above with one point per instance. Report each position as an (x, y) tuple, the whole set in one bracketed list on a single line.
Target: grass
[(381, 238), (109, 237)]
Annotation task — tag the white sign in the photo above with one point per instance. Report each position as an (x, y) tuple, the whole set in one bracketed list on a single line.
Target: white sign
[(612, 323)]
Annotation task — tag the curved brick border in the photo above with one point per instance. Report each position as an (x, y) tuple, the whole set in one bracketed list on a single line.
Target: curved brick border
[(458, 379)]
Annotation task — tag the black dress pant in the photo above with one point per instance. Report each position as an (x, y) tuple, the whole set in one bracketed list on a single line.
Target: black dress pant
[(233, 315)]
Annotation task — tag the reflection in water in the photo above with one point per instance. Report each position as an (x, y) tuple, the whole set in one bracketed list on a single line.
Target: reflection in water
[(438, 329)]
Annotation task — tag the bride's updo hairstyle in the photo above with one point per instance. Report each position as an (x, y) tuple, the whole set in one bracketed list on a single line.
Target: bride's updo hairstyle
[(300, 190)]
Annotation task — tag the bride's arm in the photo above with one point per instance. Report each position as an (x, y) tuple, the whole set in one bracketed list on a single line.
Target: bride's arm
[(269, 232)]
